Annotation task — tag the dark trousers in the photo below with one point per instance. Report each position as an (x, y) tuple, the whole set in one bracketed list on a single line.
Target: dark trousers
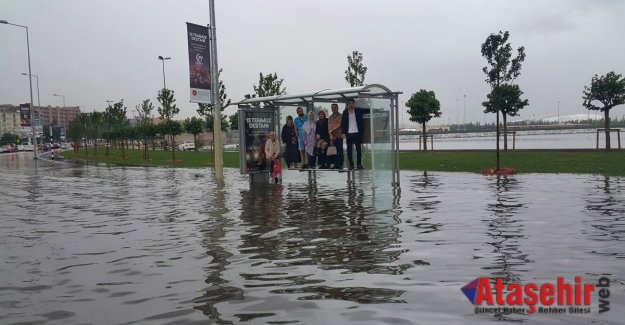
[(312, 161), (338, 159), (354, 139)]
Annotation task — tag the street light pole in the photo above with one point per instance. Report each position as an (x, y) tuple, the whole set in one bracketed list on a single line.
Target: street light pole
[(30, 80), (57, 95), (464, 111), (558, 112), (163, 59), (38, 105)]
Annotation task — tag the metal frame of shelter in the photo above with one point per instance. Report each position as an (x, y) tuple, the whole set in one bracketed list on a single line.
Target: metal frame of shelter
[(373, 96)]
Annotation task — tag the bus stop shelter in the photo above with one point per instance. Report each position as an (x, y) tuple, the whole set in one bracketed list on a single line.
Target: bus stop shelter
[(258, 116)]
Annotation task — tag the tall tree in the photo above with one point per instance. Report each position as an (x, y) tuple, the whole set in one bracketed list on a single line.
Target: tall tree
[(144, 125), (194, 126), (356, 70), (506, 99), (501, 70), (423, 106), (604, 93), (167, 111)]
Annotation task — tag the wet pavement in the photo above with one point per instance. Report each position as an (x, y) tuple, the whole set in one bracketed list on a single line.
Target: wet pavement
[(89, 244)]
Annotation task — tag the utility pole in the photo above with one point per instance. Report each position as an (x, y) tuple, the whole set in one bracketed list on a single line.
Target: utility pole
[(212, 31)]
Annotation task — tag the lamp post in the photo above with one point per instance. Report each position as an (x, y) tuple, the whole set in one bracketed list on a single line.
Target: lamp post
[(30, 80), (57, 95), (163, 59), (558, 112), (38, 105), (464, 112)]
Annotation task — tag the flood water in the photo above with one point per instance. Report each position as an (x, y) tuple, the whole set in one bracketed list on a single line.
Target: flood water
[(111, 245), (533, 139)]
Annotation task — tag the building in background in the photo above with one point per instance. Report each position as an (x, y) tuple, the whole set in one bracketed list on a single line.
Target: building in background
[(58, 117), (10, 119)]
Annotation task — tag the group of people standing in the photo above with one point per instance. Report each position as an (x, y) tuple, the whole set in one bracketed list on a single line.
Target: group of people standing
[(312, 143)]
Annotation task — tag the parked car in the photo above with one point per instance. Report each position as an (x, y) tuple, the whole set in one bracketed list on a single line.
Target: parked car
[(26, 146), (8, 148), (187, 145)]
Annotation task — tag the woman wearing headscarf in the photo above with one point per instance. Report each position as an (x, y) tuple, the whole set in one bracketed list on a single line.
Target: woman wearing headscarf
[(289, 142), (310, 139)]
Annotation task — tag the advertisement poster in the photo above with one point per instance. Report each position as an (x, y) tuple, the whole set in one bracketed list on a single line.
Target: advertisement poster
[(199, 64), (381, 120), (255, 125), (25, 115)]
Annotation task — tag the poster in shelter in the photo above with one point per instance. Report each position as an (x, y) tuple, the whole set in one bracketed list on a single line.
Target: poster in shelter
[(381, 126), (256, 125)]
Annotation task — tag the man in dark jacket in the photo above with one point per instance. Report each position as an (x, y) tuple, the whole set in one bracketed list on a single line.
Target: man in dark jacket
[(352, 127)]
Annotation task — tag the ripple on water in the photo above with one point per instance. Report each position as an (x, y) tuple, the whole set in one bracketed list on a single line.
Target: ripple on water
[(143, 246)]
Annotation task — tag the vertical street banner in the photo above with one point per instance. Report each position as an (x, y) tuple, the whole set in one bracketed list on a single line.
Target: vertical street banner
[(255, 125), (25, 121), (24, 115), (199, 63)]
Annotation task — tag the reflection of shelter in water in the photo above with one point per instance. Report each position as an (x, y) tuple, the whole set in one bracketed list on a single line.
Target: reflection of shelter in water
[(380, 120), (342, 228)]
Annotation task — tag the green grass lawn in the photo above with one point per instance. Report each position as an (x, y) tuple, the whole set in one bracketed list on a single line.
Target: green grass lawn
[(526, 161)]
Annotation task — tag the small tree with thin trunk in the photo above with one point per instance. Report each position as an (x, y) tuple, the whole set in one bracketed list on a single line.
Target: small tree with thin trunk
[(144, 128), (194, 126), (506, 99), (234, 121), (501, 69), (604, 93), (423, 106), (356, 70), (167, 111)]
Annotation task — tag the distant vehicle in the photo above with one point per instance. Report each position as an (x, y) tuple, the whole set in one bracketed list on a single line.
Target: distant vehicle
[(8, 148), (26, 146), (65, 145), (187, 145)]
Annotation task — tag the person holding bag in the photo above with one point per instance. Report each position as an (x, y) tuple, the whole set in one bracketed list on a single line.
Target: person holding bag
[(336, 138), (272, 154)]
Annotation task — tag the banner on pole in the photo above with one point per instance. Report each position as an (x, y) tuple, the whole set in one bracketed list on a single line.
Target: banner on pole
[(199, 63), (25, 115)]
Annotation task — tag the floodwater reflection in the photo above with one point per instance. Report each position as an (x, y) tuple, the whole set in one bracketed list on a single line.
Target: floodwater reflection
[(102, 245)]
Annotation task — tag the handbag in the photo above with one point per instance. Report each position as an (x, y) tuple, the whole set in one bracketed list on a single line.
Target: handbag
[(331, 151)]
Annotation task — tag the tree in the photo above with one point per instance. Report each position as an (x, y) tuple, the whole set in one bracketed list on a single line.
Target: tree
[(506, 99), (268, 85), (234, 121), (95, 122), (116, 116), (194, 126), (423, 106), (168, 110), (608, 91), (8, 138), (144, 128), (501, 70), (355, 73)]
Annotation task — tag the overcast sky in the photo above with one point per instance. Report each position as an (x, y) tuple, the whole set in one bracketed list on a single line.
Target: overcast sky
[(99, 50)]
